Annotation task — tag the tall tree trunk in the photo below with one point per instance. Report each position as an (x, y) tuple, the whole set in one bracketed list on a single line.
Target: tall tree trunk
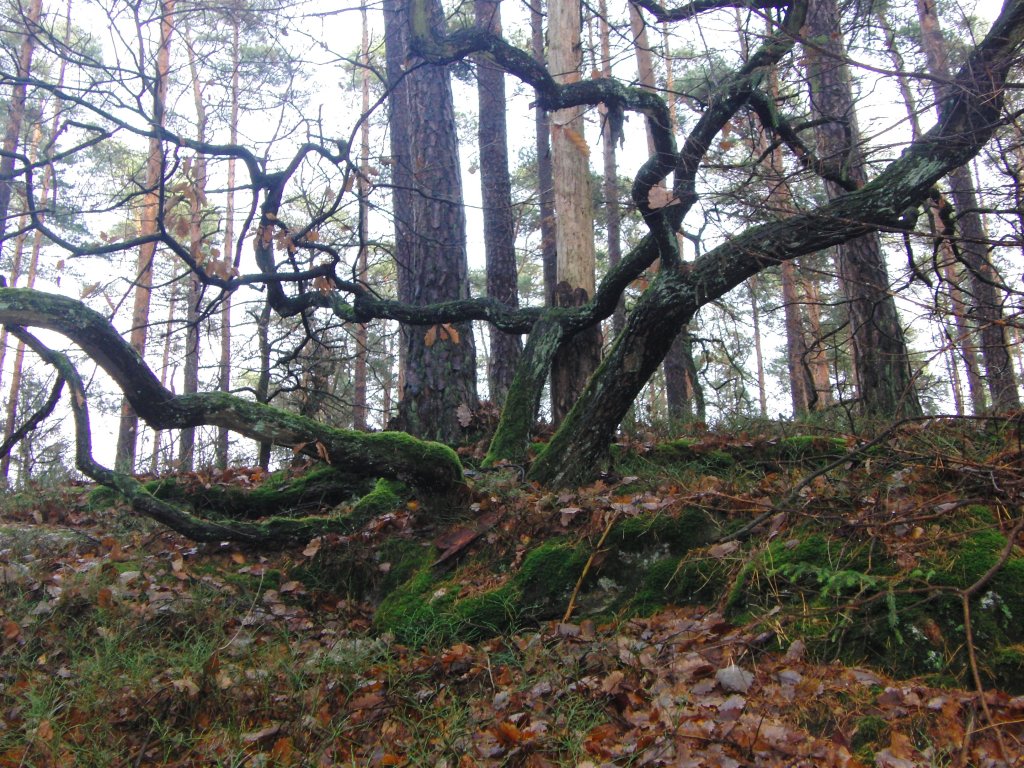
[(801, 387), (755, 319), (988, 311), (610, 182), (545, 174), (229, 255), (496, 188), (430, 249), (128, 432), (360, 409), (16, 114), (880, 358), (197, 206), (574, 217)]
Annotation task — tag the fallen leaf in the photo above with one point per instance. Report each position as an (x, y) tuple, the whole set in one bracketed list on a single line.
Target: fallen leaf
[(734, 679)]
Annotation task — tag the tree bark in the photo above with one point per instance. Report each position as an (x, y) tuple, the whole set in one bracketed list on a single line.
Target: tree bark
[(574, 216), (197, 207), (496, 188), (880, 358), (440, 361)]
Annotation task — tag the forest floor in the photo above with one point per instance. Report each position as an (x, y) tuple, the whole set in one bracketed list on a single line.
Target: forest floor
[(745, 599)]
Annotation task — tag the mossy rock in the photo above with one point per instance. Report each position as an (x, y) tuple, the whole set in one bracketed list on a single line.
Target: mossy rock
[(363, 572), (692, 452), (679, 581), (680, 532), (428, 610)]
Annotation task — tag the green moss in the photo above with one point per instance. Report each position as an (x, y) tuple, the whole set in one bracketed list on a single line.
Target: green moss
[(1005, 668), (869, 732), (675, 580), (550, 571), (489, 614), (386, 496), (690, 528), (102, 497), (412, 612), (811, 447), (356, 571), (281, 494)]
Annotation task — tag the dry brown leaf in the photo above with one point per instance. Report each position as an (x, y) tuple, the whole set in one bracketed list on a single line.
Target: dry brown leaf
[(11, 630)]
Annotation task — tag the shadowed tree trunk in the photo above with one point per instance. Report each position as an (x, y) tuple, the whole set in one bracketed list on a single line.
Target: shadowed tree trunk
[(881, 362), (430, 249), (681, 383), (496, 188)]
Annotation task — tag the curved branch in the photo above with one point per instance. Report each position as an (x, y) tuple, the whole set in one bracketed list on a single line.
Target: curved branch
[(386, 454), (34, 420)]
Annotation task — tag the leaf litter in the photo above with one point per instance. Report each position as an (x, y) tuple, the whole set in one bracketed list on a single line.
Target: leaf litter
[(217, 655)]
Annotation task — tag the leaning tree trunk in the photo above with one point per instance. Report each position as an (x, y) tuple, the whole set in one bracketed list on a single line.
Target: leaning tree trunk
[(582, 443), (995, 351), (496, 189), (880, 358), (440, 361)]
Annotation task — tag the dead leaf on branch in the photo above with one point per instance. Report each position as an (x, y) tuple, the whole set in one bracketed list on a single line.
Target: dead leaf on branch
[(441, 332)]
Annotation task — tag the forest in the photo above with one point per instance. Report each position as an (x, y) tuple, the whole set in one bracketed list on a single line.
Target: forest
[(440, 318)]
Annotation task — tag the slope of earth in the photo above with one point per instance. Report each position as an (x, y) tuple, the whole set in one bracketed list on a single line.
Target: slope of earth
[(725, 600)]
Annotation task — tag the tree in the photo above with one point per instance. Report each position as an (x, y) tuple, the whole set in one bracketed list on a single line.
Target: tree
[(440, 361), (496, 186), (149, 224), (881, 363), (574, 216), (302, 271), (969, 246)]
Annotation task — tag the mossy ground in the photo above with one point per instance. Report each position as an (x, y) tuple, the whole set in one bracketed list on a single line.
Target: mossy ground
[(865, 567)]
